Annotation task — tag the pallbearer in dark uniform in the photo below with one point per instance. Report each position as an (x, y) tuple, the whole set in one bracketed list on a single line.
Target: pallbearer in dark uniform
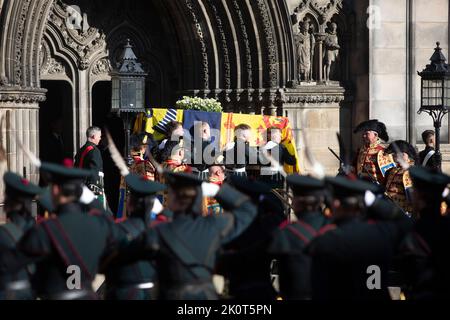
[(291, 238), (269, 173), (69, 238), (19, 194), (425, 252), (203, 150), (185, 249), (342, 256), (245, 261), (135, 280), (239, 154), (89, 157)]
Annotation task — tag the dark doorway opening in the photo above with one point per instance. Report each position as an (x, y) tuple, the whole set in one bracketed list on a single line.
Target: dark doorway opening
[(56, 122), (104, 119)]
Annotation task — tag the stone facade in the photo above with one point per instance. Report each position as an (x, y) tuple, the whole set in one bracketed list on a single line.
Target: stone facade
[(246, 53)]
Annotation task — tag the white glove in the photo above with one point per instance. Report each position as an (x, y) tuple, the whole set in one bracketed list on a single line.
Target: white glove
[(87, 196), (369, 198), (157, 206), (269, 145), (210, 189)]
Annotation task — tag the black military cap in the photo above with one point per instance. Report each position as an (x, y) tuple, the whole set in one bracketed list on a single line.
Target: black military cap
[(344, 187), (60, 174), (140, 186), (45, 200), (305, 185), (17, 185), (181, 179), (403, 146), (373, 125), (428, 180), (249, 187)]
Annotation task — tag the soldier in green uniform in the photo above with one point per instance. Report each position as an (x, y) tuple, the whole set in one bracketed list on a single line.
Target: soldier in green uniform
[(344, 258), (245, 261), (135, 280), (19, 195), (425, 258), (291, 238), (68, 247), (185, 249)]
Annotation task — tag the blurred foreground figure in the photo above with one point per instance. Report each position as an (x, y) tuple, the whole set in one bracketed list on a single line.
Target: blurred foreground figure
[(290, 240), (353, 260), (19, 194)]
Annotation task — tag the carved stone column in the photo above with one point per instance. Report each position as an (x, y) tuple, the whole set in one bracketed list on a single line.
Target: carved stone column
[(19, 107)]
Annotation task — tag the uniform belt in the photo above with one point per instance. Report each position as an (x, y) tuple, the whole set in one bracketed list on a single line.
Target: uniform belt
[(268, 171)]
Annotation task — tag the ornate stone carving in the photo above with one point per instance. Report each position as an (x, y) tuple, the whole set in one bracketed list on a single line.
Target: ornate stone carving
[(101, 67), (304, 50), (331, 51), (202, 41), (320, 13), (323, 10), (53, 66), (19, 45), (83, 40), (248, 53), (270, 43), (223, 39), (19, 94)]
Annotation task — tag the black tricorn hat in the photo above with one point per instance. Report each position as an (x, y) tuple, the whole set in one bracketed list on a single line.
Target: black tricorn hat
[(373, 125), (403, 146)]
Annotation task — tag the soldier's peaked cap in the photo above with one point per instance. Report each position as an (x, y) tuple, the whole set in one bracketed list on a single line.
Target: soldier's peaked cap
[(249, 187), (20, 186), (181, 179), (343, 187), (60, 174), (305, 184), (140, 186), (428, 180), (373, 125)]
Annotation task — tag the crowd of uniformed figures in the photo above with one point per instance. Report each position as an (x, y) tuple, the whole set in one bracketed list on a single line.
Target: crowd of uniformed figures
[(381, 223)]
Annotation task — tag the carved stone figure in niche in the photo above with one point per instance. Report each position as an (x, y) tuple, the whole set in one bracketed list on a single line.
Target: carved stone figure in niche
[(331, 50), (304, 44)]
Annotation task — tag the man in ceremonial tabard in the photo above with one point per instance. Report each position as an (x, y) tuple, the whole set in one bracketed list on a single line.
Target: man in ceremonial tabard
[(398, 182), (371, 162), (139, 166)]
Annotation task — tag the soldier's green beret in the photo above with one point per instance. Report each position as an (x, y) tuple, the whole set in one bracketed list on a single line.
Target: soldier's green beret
[(343, 187), (428, 180), (60, 174), (17, 185), (249, 187), (181, 179), (302, 185), (140, 186)]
